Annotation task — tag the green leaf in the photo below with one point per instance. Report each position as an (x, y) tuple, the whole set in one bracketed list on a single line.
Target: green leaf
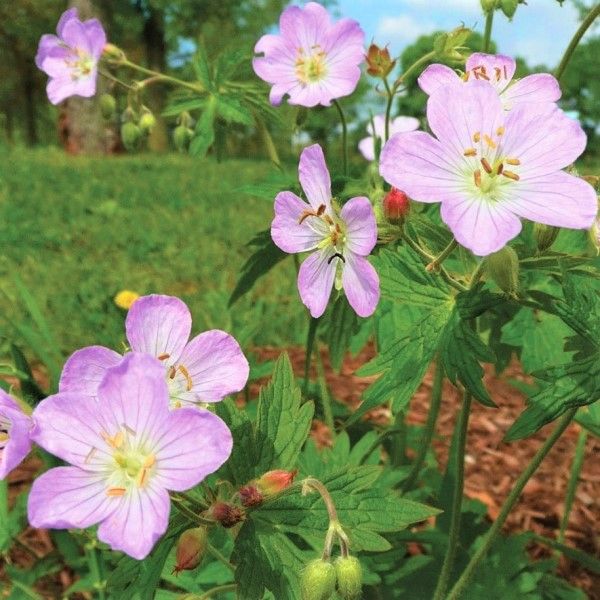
[(586, 560), (231, 109), (265, 257), (205, 129), (590, 418), (343, 323), (176, 107), (29, 388), (201, 67)]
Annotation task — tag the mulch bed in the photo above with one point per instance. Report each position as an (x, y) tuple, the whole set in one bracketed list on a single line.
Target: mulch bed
[(491, 468)]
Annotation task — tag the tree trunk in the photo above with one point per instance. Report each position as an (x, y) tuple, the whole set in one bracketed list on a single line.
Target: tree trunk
[(29, 89)]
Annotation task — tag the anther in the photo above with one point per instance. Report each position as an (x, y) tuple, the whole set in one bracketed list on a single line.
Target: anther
[(163, 356), (513, 161), (498, 73), (477, 137), (511, 175), (149, 461), (500, 169), (142, 477), (306, 214), (336, 255), (486, 165), (115, 492), (500, 131), (489, 141), (477, 177), (470, 152), (188, 379), (172, 372), (320, 210), (115, 441)]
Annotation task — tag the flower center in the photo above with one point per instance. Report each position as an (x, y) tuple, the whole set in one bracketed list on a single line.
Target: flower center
[(311, 67), (480, 72), (334, 230), (80, 63), (178, 380)]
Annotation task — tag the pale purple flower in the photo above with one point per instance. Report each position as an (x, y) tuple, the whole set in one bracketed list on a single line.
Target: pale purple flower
[(498, 71), (340, 240), (14, 434), (206, 368), (312, 60), (488, 167), (71, 58), (397, 125), (126, 451)]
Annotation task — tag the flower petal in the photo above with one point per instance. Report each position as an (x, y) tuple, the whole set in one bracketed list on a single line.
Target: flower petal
[(361, 226), (68, 497), (215, 365), (315, 280), (499, 69), (194, 444), (75, 36), (482, 227), (59, 89), (48, 44), (557, 199), (85, 369), (96, 37), (435, 76), (159, 325), (403, 124), (314, 177), (361, 284), (67, 16), (286, 230), (366, 147), (18, 445), (541, 87), (138, 521)]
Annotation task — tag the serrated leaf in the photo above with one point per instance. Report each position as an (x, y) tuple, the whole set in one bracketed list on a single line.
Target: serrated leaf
[(342, 325), (590, 418), (231, 109), (204, 135), (176, 107), (201, 67), (228, 62)]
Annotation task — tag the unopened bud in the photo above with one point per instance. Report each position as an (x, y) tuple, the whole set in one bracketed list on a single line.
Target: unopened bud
[(112, 52), (181, 137), (451, 45), (503, 268), (125, 298), (274, 482), (190, 549), (488, 5), (396, 206), (147, 121), (349, 577), (131, 135), (509, 7), (229, 515), (108, 106), (318, 580), (545, 236), (250, 496), (379, 61)]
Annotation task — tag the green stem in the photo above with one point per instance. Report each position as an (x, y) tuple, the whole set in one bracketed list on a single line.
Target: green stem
[(487, 35), (398, 449), (344, 136), (477, 274), (414, 67), (511, 499), (573, 481), (161, 76), (198, 503), (268, 142), (96, 565), (310, 344), (434, 265), (428, 432), (457, 498), (388, 110), (190, 514), (585, 25), (228, 587), (325, 395), (220, 557)]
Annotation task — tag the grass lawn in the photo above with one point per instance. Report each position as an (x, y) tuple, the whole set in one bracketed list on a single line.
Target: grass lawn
[(78, 230)]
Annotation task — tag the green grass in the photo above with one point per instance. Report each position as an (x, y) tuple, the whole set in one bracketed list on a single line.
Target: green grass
[(78, 230)]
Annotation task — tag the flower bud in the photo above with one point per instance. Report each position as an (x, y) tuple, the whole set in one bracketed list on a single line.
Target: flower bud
[(488, 5), (190, 549), (108, 106), (503, 268), (181, 137), (229, 515), (379, 61), (250, 496), (125, 298), (274, 482), (147, 121), (112, 52), (451, 45), (131, 135), (318, 580), (545, 235), (509, 7), (349, 577), (396, 206)]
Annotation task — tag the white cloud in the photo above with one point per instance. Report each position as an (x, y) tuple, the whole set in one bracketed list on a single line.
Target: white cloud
[(402, 28)]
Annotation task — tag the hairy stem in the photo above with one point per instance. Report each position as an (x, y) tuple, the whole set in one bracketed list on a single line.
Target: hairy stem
[(511, 499), (325, 395), (220, 557), (434, 265), (157, 76), (487, 35), (344, 136), (96, 566), (388, 111), (228, 587), (310, 344), (414, 67)]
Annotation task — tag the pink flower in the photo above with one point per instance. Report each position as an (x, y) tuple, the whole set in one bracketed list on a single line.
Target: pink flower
[(14, 434), (498, 71), (339, 240), (206, 368), (312, 60), (71, 59), (397, 125), (126, 450), (489, 167)]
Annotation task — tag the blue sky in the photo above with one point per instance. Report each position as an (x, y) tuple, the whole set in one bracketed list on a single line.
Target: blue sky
[(539, 32)]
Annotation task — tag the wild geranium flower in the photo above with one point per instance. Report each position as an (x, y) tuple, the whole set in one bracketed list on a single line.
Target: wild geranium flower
[(206, 368), (497, 70), (126, 451), (340, 239), (376, 131), (71, 58), (312, 60), (488, 167), (14, 434)]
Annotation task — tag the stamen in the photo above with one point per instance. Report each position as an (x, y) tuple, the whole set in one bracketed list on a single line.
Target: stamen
[(186, 374), (143, 476), (149, 462), (90, 455), (486, 165), (466, 76), (477, 137), (500, 131), (483, 73), (498, 73), (477, 177), (320, 210), (128, 429), (328, 220), (172, 372), (115, 441), (336, 255), (489, 141), (511, 175), (505, 72), (513, 161), (500, 169), (163, 356), (306, 214), (470, 152), (115, 492)]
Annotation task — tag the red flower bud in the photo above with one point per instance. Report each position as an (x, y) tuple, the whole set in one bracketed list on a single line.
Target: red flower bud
[(396, 206), (227, 514), (190, 549), (250, 496), (379, 62), (274, 482)]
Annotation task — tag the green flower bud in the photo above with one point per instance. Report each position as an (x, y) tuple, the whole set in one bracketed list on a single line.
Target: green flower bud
[(545, 236), (349, 577), (488, 5), (181, 137), (503, 268), (509, 7), (131, 135), (108, 106), (147, 122), (318, 580), (190, 549)]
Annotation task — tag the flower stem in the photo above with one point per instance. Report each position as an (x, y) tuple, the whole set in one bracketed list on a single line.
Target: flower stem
[(573, 481), (161, 76), (434, 265), (585, 25), (428, 432), (414, 67), (310, 344), (388, 110), (189, 513), (344, 136), (325, 395), (511, 499), (457, 498), (228, 587), (487, 35), (220, 557), (96, 565)]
